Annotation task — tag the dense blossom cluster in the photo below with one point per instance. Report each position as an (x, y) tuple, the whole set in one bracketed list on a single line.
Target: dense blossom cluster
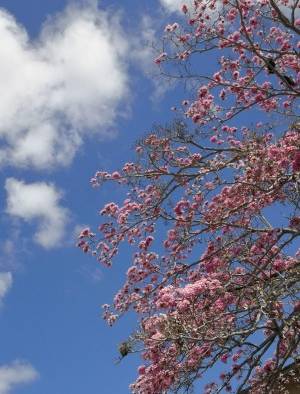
[(213, 214), (259, 61)]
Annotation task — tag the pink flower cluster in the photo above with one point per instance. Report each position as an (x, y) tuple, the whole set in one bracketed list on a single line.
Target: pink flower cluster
[(221, 286)]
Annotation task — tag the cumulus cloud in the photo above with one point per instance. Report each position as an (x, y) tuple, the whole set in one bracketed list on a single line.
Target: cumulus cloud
[(5, 284), (16, 374), (55, 90), (38, 202)]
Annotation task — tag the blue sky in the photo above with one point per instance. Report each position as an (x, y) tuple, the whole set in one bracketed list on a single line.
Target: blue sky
[(77, 90)]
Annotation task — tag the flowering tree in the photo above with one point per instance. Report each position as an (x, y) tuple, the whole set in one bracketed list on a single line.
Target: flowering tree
[(213, 208)]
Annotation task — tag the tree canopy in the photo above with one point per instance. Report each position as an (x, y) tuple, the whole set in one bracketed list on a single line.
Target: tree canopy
[(212, 208)]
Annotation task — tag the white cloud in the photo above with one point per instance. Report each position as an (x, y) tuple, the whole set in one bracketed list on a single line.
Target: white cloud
[(68, 83), (142, 51), (143, 54), (12, 245), (172, 5), (41, 202), (15, 374), (5, 284)]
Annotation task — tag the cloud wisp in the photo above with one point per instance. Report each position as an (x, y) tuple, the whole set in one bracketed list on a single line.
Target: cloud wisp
[(38, 202), (61, 87), (6, 280), (15, 374), (172, 5)]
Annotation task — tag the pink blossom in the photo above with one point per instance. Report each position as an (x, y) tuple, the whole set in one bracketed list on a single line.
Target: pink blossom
[(184, 8)]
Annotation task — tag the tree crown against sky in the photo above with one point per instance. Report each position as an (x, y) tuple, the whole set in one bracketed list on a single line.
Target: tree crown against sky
[(212, 207)]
